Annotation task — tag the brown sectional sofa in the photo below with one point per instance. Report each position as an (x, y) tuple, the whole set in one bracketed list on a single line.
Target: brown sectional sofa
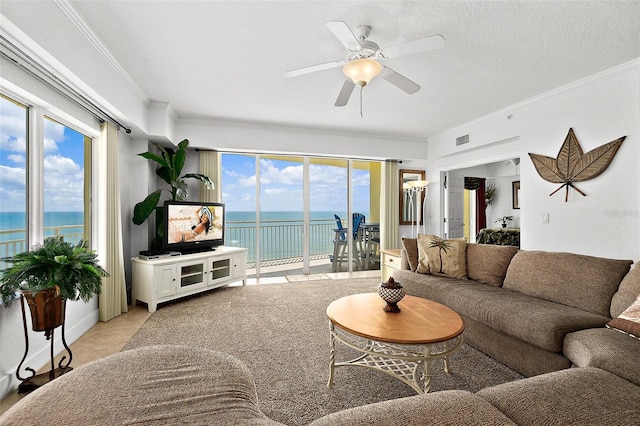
[(518, 305), (537, 312), (184, 385)]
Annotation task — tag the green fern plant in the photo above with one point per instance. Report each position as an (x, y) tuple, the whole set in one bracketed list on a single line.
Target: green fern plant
[(54, 263)]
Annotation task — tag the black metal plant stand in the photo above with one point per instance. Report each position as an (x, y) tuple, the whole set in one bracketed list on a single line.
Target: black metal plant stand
[(34, 381)]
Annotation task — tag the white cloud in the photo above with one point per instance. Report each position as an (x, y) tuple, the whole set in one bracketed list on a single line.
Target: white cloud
[(12, 177), (276, 191), (17, 158), (53, 133), (63, 184), (13, 127)]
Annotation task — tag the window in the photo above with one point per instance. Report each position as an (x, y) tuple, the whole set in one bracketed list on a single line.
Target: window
[(13, 178), (59, 205), (66, 195)]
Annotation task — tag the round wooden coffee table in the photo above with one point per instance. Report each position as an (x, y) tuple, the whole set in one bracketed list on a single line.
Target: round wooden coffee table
[(403, 344)]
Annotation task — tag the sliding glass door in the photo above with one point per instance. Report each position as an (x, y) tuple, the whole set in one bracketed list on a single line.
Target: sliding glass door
[(298, 199)]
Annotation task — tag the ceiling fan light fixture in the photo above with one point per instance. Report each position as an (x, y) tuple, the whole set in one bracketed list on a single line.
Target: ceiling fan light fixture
[(361, 71)]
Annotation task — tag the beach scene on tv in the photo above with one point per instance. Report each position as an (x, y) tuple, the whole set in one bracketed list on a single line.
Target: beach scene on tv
[(194, 223)]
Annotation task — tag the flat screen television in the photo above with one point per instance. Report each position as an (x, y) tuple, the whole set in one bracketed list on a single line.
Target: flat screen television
[(193, 226)]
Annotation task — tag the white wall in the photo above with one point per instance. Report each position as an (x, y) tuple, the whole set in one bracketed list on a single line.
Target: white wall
[(600, 109), (245, 137)]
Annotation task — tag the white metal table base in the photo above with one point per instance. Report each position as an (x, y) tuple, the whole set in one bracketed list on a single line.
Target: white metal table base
[(410, 364)]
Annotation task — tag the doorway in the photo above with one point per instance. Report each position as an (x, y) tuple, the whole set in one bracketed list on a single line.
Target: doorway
[(460, 207)]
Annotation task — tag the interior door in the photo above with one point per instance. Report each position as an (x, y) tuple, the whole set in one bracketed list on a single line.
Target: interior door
[(453, 186)]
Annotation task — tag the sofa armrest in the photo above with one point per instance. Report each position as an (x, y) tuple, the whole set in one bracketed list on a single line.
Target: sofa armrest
[(439, 408)]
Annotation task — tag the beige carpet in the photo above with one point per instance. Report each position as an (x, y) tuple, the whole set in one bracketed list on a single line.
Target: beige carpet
[(281, 333)]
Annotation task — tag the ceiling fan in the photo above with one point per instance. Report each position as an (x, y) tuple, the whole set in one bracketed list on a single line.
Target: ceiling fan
[(362, 62)]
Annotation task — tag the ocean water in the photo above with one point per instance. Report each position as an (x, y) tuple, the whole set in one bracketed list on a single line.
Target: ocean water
[(281, 233), (13, 224)]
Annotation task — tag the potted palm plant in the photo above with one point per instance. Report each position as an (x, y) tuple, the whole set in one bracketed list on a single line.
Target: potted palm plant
[(48, 275), (171, 163)]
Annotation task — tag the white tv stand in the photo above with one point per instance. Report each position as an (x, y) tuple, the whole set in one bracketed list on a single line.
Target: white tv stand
[(168, 278)]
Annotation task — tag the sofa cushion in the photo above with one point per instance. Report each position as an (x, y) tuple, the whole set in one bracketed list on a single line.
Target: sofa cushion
[(536, 321), (164, 384), (606, 349), (454, 407), (577, 396), (488, 263), (627, 292), (438, 256), (584, 282), (629, 320), (410, 246)]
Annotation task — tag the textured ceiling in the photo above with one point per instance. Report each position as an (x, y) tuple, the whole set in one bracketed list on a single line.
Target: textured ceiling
[(226, 59)]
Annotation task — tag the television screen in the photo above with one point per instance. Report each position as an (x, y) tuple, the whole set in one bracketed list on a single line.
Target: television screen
[(193, 226)]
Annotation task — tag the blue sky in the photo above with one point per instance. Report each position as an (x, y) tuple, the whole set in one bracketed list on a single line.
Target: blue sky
[(63, 162), (281, 185)]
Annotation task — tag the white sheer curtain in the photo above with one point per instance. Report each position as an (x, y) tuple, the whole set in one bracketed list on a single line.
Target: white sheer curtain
[(113, 300), (389, 206), (210, 166)]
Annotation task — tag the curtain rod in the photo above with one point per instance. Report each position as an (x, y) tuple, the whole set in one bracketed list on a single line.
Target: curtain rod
[(39, 71)]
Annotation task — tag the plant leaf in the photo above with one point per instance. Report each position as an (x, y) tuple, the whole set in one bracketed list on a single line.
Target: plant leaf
[(144, 208), (547, 168), (202, 178), (569, 154), (165, 174), (178, 161), (154, 157), (595, 161)]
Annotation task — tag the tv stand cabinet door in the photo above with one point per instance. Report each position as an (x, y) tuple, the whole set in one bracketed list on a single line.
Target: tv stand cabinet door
[(153, 283), (238, 267), (166, 284)]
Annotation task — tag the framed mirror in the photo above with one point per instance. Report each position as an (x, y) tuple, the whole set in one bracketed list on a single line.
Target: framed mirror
[(408, 201)]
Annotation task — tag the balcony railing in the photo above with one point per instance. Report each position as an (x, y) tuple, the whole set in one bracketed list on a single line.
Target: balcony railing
[(280, 240), (14, 241)]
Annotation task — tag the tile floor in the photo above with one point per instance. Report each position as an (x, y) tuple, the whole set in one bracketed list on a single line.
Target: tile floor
[(106, 338)]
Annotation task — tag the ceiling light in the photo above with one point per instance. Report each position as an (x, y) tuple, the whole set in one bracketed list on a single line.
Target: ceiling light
[(361, 71)]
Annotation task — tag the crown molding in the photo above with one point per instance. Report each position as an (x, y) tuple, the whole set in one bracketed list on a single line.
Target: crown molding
[(67, 8)]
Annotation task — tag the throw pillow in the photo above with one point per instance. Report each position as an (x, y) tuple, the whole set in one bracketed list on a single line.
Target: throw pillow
[(629, 320), (422, 242), (437, 256), (488, 263), (410, 246)]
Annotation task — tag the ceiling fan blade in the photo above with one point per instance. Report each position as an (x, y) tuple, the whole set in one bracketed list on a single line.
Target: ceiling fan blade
[(345, 92), (342, 32), (416, 46), (398, 80), (313, 68)]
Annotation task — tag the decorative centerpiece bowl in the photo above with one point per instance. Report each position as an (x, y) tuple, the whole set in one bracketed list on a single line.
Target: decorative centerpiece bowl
[(391, 292)]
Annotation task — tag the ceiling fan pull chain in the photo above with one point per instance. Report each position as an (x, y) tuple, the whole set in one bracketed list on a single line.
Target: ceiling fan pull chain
[(361, 116)]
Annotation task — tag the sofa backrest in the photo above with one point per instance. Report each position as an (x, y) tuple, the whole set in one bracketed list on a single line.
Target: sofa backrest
[(488, 263), (583, 282), (627, 293)]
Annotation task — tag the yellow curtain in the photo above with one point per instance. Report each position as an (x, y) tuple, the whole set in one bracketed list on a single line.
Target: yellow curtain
[(389, 206), (113, 300), (210, 165)]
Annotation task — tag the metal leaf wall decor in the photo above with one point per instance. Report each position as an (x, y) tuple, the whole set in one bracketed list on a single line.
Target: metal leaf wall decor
[(572, 165)]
